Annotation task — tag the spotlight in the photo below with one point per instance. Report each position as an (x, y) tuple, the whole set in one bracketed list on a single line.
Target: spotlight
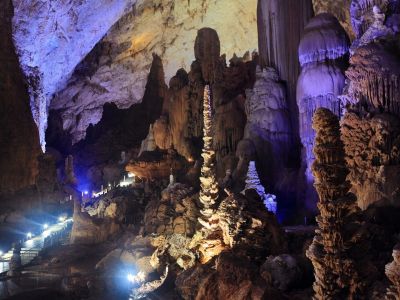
[(29, 235), (62, 218), (1, 253), (138, 278), (86, 192), (46, 233), (131, 175), (45, 226)]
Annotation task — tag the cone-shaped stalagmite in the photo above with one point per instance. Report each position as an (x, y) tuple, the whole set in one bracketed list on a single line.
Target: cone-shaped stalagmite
[(336, 271), (209, 185)]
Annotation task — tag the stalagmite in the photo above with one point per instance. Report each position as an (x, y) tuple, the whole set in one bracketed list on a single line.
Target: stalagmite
[(338, 237), (322, 50), (253, 182), (209, 185)]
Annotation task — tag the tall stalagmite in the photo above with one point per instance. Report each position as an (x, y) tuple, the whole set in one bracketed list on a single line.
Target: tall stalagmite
[(208, 181), (322, 50), (280, 27), (19, 140), (338, 235)]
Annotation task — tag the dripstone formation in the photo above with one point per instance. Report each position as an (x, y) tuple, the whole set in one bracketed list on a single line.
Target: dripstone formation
[(335, 246), (322, 52)]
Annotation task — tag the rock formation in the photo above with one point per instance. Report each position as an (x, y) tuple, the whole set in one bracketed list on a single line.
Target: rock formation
[(19, 141), (253, 182), (208, 182), (268, 132), (116, 69), (392, 271), (280, 27), (322, 50), (48, 62), (371, 126), (372, 156), (334, 251), (175, 213)]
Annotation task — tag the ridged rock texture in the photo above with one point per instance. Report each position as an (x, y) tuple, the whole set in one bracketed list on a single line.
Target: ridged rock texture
[(268, 131), (19, 141), (372, 156), (392, 271), (116, 69), (322, 50), (335, 250), (208, 181), (371, 127), (52, 37), (280, 27)]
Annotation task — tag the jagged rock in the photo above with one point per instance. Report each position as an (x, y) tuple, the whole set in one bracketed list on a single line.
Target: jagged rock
[(322, 48), (177, 212), (19, 140), (244, 224), (278, 41), (362, 14), (336, 251), (234, 277), (372, 156), (116, 70), (157, 164), (91, 230), (283, 271)]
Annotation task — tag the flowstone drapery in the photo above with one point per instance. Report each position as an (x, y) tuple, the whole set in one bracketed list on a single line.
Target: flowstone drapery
[(322, 50)]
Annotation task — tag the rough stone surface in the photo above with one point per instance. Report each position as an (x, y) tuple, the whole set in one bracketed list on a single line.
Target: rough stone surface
[(336, 250), (52, 37), (19, 142), (393, 273), (116, 70), (372, 156)]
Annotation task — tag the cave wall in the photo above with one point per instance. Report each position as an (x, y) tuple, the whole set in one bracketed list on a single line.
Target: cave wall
[(118, 66), (19, 141), (52, 37)]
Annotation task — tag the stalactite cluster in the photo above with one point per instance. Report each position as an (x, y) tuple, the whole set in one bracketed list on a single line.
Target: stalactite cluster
[(337, 236)]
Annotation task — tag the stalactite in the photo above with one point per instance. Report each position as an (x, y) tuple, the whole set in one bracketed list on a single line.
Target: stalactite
[(361, 12), (209, 186), (338, 234)]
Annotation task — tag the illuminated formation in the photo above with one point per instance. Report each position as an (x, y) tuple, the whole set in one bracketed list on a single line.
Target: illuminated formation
[(337, 236), (253, 182), (208, 181)]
